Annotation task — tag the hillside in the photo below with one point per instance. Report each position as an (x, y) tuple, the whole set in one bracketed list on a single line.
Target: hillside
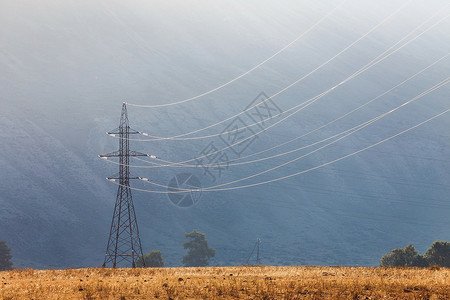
[(67, 66)]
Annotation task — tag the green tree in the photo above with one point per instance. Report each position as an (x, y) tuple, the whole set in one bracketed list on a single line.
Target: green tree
[(439, 254), (153, 259), (406, 257), (420, 261), (5, 257), (395, 259), (199, 253)]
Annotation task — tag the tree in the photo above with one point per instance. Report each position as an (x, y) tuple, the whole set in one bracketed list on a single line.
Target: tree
[(5, 257), (420, 261), (395, 259), (153, 259), (439, 254), (199, 253), (406, 257)]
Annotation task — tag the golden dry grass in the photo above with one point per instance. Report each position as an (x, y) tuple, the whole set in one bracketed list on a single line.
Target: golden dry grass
[(262, 282)]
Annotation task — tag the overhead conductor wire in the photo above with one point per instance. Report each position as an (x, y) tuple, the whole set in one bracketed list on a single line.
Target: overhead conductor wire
[(229, 163), (213, 188)]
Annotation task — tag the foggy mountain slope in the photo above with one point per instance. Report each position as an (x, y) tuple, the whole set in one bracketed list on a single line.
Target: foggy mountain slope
[(67, 66), (51, 209)]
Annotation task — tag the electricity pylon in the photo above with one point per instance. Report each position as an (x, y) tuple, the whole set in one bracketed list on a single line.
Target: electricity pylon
[(124, 243), (258, 260)]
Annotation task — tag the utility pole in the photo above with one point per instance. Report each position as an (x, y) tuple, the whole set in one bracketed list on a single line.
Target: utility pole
[(124, 243), (258, 242)]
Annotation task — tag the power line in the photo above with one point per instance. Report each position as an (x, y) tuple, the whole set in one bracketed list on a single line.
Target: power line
[(354, 129), (215, 188), (172, 164), (307, 170)]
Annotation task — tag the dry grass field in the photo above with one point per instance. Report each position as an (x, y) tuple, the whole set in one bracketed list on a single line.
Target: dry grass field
[(262, 282)]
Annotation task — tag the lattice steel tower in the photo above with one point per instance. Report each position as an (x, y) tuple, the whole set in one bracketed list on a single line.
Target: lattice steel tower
[(124, 243), (258, 259)]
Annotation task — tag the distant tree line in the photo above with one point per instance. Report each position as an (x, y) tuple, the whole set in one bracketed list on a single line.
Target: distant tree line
[(437, 255), (199, 253), (5, 257)]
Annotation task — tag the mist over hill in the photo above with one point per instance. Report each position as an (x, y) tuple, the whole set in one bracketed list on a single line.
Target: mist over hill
[(67, 66)]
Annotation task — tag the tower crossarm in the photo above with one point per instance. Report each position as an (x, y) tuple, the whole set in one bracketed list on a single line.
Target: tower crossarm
[(118, 132), (119, 178), (110, 154), (135, 153), (131, 153)]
